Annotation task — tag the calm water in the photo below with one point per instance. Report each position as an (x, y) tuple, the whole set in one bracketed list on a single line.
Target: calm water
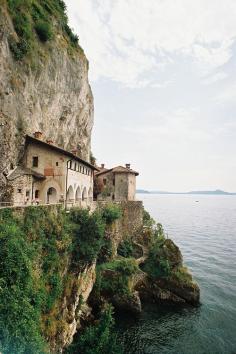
[(206, 233)]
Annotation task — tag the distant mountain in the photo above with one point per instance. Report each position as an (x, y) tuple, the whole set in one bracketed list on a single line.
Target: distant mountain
[(215, 192)]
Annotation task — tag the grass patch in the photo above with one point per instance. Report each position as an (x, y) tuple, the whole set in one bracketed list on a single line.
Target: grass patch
[(114, 277), (110, 213), (32, 20)]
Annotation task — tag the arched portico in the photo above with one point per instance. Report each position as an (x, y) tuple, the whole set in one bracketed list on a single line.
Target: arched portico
[(90, 195), (70, 196), (52, 196), (78, 196), (70, 193), (84, 197)]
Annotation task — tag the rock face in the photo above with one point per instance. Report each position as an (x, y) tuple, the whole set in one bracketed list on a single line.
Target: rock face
[(74, 308), (160, 275), (51, 95)]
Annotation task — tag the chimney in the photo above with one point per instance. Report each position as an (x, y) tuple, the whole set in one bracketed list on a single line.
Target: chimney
[(38, 135), (127, 165), (102, 165), (49, 141)]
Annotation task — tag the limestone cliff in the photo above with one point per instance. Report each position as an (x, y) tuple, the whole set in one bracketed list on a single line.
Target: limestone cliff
[(47, 90)]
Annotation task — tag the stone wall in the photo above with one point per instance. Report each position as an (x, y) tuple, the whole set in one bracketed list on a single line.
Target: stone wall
[(128, 226), (21, 190)]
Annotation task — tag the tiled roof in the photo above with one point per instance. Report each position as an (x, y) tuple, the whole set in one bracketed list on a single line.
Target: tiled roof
[(118, 169), (23, 171), (30, 139), (101, 169)]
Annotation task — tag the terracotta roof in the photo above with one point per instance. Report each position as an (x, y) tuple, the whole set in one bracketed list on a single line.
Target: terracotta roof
[(23, 171), (118, 169), (100, 169), (29, 139)]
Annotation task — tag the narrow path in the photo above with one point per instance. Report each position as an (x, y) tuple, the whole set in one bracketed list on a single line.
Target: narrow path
[(144, 256)]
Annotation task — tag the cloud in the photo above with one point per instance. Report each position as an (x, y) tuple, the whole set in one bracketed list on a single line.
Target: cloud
[(227, 95), (212, 79), (126, 40)]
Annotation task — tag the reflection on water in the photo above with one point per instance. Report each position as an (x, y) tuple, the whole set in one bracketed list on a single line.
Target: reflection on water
[(206, 234)]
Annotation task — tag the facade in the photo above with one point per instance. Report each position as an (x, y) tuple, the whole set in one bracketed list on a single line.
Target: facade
[(49, 174), (116, 184)]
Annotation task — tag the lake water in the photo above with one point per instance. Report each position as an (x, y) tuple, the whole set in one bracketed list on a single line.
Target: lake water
[(205, 231)]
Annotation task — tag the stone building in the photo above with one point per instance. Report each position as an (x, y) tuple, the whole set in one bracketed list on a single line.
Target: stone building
[(49, 174), (115, 184)]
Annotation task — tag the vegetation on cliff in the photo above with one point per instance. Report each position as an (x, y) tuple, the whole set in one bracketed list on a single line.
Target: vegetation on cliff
[(39, 253), (35, 20), (97, 338)]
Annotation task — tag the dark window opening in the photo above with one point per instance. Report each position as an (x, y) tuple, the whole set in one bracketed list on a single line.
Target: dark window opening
[(104, 181), (11, 166), (35, 161), (57, 163), (50, 190), (27, 193), (19, 190), (36, 193), (114, 182)]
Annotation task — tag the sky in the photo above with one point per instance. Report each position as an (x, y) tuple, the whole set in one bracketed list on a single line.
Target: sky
[(163, 76)]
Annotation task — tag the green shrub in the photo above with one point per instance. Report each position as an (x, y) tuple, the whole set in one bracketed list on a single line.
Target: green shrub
[(111, 212), (148, 221), (88, 234), (113, 277), (73, 37), (33, 254), (125, 249), (20, 302), (156, 265), (44, 31), (105, 253), (97, 339), (28, 15)]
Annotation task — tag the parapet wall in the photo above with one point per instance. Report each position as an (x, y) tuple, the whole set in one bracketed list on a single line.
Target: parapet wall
[(19, 210), (132, 220)]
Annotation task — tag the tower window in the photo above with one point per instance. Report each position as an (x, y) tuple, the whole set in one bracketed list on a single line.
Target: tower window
[(35, 161)]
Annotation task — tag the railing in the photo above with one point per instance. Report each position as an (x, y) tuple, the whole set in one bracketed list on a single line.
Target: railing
[(22, 205)]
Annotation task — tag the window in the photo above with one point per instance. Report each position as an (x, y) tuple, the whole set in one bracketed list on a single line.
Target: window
[(104, 181), (75, 166), (70, 164), (36, 193), (114, 181), (83, 169), (19, 190), (27, 193), (35, 161), (57, 163)]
